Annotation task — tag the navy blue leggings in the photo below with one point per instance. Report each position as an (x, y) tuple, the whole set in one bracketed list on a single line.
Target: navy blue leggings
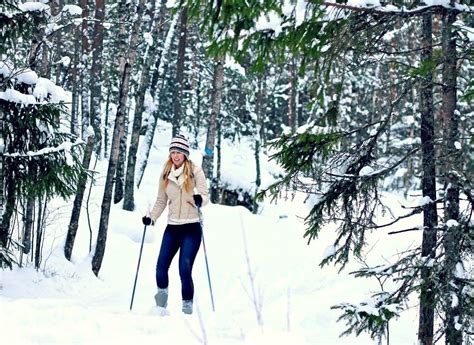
[(186, 238)]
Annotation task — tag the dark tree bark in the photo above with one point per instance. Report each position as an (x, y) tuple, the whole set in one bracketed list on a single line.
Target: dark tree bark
[(258, 138), (178, 95), (77, 205), (96, 71), (30, 206), (452, 170), (84, 75), (10, 200), (109, 181), (39, 232), (430, 218)]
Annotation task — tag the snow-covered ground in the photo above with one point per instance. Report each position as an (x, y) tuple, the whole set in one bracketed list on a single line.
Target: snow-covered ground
[(65, 303)]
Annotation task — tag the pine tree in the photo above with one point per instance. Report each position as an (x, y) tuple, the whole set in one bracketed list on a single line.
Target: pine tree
[(39, 159), (351, 158)]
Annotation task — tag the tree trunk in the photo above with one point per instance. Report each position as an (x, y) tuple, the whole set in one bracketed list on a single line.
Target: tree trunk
[(178, 95), (109, 181), (129, 201), (2, 183), (10, 199), (83, 71), (258, 139), (144, 151), (452, 172), (430, 218), (96, 71), (74, 82), (131, 57), (216, 98), (106, 125), (56, 6), (30, 206), (293, 81), (120, 171), (77, 205), (39, 232)]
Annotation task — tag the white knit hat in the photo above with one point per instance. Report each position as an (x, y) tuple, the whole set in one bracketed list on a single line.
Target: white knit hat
[(180, 144)]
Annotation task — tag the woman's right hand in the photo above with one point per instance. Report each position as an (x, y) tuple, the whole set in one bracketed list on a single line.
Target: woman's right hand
[(146, 220)]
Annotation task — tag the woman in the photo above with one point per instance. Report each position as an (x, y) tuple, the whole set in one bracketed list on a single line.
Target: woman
[(179, 178)]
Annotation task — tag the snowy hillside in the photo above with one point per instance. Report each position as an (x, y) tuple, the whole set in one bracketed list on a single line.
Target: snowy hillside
[(65, 303)]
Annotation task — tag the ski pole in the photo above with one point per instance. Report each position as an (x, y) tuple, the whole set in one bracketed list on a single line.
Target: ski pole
[(205, 256), (138, 267)]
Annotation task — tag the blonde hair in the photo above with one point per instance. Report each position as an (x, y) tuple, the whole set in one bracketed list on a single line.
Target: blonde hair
[(187, 172)]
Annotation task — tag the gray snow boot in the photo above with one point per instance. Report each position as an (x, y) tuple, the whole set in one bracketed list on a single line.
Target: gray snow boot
[(161, 298), (188, 306)]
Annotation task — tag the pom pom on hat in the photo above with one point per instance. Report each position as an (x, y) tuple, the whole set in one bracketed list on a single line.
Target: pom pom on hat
[(180, 144)]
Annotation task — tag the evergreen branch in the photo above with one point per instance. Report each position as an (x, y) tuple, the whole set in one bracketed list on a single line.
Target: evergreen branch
[(65, 146), (405, 13)]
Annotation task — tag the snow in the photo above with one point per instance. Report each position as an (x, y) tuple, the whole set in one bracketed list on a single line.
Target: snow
[(65, 303), (171, 4), (364, 3), (424, 201), (28, 77), (233, 65), (329, 251), (459, 271), (33, 7), (270, 21), (148, 38), (454, 300), (365, 171), (15, 96), (65, 61), (73, 10), (436, 2), (45, 87), (452, 223)]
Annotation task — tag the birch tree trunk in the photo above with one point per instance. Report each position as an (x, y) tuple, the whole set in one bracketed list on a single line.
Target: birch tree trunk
[(178, 94), (131, 57), (74, 81), (144, 150), (109, 181), (96, 71), (145, 78), (216, 98), (430, 217), (452, 171), (120, 171)]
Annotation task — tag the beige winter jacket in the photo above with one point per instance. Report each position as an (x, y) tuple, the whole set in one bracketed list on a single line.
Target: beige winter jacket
[(181, 207)]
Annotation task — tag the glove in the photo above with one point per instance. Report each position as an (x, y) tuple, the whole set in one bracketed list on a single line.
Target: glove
[(197, 200), (146, 220)]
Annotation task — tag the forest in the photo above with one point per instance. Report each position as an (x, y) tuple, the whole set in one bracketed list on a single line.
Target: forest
[(352, 98)]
